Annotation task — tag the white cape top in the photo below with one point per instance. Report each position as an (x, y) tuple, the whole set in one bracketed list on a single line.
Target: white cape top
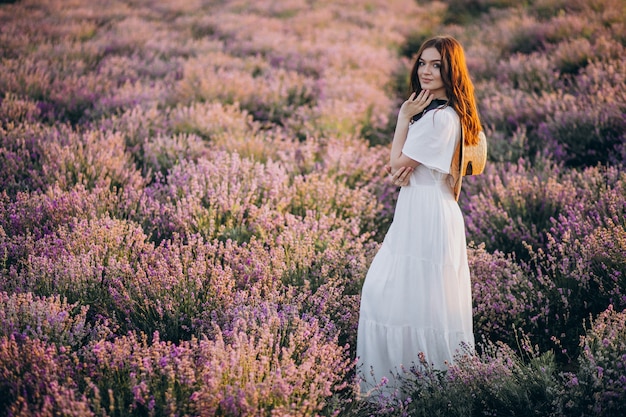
[(431, 140)]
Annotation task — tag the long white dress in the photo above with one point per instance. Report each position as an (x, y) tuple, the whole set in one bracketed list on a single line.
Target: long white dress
[(417, 292)]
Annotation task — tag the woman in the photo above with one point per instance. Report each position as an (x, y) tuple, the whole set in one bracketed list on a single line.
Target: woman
[(417, 292)]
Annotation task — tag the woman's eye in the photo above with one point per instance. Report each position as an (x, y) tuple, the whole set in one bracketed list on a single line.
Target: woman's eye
[(437, 66)]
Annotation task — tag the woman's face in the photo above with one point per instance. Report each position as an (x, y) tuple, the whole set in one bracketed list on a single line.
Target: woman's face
[(429, 72)]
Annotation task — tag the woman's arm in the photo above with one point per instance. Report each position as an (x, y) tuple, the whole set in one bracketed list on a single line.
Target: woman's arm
[(414, 105)]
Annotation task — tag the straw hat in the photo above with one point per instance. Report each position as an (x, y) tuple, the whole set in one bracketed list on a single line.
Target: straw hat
[(467, 160)]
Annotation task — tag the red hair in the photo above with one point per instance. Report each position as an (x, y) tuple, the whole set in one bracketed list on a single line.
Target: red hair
[(457, 83)]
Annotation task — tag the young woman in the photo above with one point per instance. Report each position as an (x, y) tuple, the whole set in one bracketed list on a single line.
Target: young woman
[(417, 292)]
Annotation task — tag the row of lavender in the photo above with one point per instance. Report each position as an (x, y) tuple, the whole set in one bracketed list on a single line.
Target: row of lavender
[(190, 201)]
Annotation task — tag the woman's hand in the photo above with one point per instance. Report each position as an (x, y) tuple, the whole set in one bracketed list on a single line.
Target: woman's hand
[(401, 176), (402, 165), (415, 104)]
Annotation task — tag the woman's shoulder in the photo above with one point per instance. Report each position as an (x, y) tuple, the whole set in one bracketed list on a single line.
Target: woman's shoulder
[(440, 116), (446, 113)]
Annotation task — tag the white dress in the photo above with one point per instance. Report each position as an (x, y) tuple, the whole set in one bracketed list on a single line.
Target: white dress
[(417, 292)]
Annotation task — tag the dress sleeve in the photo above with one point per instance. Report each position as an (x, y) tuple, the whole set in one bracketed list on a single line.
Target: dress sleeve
[(432, 139)]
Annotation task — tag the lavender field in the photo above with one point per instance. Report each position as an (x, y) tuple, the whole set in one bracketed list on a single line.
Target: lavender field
[(191, 193)]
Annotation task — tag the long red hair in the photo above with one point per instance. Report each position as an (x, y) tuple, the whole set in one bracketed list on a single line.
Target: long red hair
[(457, 83)]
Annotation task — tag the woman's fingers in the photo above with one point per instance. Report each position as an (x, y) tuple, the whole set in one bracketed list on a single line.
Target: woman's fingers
[(417, 102), (401, 176), (423, 96), (405, 174)]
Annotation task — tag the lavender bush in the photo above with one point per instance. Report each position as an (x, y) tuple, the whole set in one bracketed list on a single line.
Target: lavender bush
[(600, 380), (37, 378), (499, 381)]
